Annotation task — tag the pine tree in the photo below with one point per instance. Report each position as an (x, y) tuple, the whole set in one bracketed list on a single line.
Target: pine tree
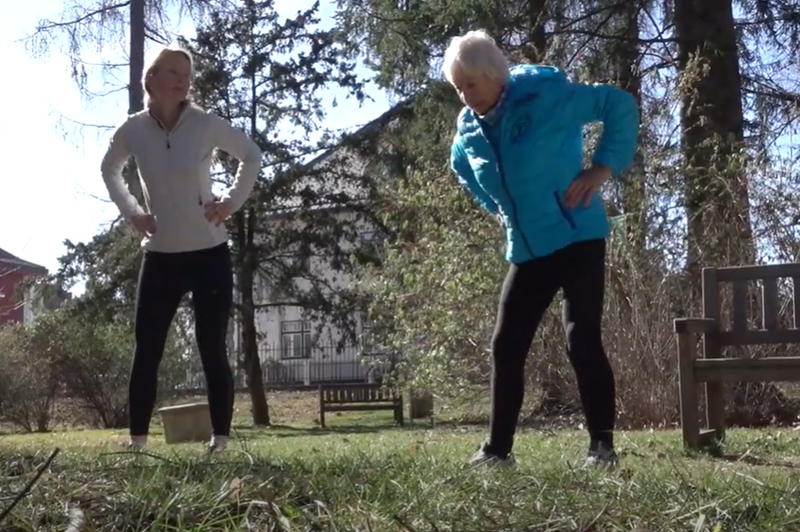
[(266, 75)]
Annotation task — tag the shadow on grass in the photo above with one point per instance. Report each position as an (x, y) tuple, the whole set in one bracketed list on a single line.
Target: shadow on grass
[(716, 453), (788, 462), (288, 431)]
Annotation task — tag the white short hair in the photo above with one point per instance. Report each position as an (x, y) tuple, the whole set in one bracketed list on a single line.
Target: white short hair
[(475, 53)]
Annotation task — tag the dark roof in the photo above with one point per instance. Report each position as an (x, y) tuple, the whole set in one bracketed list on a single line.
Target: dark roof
[(372, 127), (7, 261)]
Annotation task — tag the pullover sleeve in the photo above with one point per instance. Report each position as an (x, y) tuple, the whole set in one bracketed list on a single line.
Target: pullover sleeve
[(116, 155), (235, 142)]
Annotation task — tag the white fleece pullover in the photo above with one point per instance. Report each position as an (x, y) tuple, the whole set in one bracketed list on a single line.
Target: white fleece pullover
[(174, 169)]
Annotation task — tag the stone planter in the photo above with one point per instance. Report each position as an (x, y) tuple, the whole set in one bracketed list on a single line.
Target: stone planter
[(421, 405)]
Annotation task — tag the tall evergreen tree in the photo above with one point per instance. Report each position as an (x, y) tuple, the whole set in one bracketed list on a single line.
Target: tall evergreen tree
[(266, 76)]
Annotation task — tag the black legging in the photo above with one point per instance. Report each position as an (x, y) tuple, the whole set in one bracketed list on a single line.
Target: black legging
[(528, 291), (163, 280)]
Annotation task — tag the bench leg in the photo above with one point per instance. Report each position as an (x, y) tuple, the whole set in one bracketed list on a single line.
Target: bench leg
[(690, 424), (321, 396), (715, 409), (715, 393)]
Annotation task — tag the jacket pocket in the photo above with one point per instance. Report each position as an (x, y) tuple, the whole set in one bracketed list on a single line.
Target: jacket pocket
[(564, 211)]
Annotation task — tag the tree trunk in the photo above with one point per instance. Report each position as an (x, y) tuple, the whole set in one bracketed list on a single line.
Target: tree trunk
[(626, 55), (248, 265), (717, 203), (135, 90), (536, 47)]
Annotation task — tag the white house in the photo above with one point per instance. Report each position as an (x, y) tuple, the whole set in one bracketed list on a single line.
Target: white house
[(296, 348)]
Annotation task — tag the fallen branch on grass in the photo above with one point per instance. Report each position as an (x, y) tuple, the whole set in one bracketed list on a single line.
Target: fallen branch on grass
[(22, 494)]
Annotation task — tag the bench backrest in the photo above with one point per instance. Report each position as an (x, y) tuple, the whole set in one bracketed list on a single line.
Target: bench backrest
[(358, 393), (741, 278)]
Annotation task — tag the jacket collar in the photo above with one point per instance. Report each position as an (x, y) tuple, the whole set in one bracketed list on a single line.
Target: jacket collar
[(494, 114), (183, 110)]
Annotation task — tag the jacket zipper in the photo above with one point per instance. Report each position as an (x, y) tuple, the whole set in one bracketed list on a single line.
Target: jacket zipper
[(564, 212), (168, 133), (502, 173)]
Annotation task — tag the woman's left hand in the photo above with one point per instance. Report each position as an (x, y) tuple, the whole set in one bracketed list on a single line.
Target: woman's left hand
[(218, 211), (585, 185)]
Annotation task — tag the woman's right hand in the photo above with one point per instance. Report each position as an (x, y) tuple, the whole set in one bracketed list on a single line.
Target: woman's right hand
[(145, 224)]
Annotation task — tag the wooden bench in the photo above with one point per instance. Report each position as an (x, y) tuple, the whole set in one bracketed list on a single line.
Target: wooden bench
[(711, 369), (358, 397)]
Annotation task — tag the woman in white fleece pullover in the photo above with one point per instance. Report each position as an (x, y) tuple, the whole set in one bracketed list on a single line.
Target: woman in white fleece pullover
[(185, 239)]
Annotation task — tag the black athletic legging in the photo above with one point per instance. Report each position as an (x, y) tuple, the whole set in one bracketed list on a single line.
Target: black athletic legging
[(528, 291), (163, 280)]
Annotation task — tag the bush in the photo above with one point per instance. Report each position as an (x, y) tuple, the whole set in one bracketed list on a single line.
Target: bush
[(91, 364), (95, 369), (28, 383)]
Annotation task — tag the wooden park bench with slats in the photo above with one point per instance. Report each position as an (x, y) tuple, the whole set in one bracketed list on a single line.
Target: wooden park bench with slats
[(358, 397), (713, 370)]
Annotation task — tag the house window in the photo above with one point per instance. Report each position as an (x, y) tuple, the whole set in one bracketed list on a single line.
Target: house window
[(301, 262), (367, 338), (296, 262), (263, 290), (372, 243), (295, 339)]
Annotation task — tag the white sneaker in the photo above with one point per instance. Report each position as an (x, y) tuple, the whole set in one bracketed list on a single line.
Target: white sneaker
[(136, 444), (218, 444), (485, 458)]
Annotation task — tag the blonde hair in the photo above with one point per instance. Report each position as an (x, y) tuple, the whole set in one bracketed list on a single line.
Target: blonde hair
[(475, 53), (154, 57)]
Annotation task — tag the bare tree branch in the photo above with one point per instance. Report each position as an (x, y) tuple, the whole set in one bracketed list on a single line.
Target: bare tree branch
[(48, 25)]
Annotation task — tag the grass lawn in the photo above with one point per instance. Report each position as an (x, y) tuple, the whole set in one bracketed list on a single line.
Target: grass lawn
[(364, 475)]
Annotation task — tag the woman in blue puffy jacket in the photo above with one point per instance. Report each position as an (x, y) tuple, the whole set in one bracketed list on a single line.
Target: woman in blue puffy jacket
[(519, 151)]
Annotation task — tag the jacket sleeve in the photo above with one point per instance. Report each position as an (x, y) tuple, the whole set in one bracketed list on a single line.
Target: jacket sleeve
[(619, 113), (235, 142), (116, 155), (460, 165)]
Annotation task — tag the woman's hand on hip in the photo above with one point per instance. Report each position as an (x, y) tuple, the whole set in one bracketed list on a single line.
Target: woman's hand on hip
[(585, 185), (218, 211), (144, 223)]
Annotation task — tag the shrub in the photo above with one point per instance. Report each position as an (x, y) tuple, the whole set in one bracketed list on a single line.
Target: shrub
[(28, 383)]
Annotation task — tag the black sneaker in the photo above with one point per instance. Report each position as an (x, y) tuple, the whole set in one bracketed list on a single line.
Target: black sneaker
[(601, 455)]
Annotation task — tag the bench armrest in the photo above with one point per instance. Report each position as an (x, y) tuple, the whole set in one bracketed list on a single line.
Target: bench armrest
[(695, 325)]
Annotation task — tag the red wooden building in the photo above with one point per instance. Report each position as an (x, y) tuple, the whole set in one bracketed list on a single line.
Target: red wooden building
[(13, 271)]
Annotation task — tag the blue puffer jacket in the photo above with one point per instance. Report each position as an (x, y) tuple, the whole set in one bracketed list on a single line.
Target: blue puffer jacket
[(522, 164)]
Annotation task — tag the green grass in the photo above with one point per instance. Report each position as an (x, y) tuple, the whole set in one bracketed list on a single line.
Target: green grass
[(391, 479)]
